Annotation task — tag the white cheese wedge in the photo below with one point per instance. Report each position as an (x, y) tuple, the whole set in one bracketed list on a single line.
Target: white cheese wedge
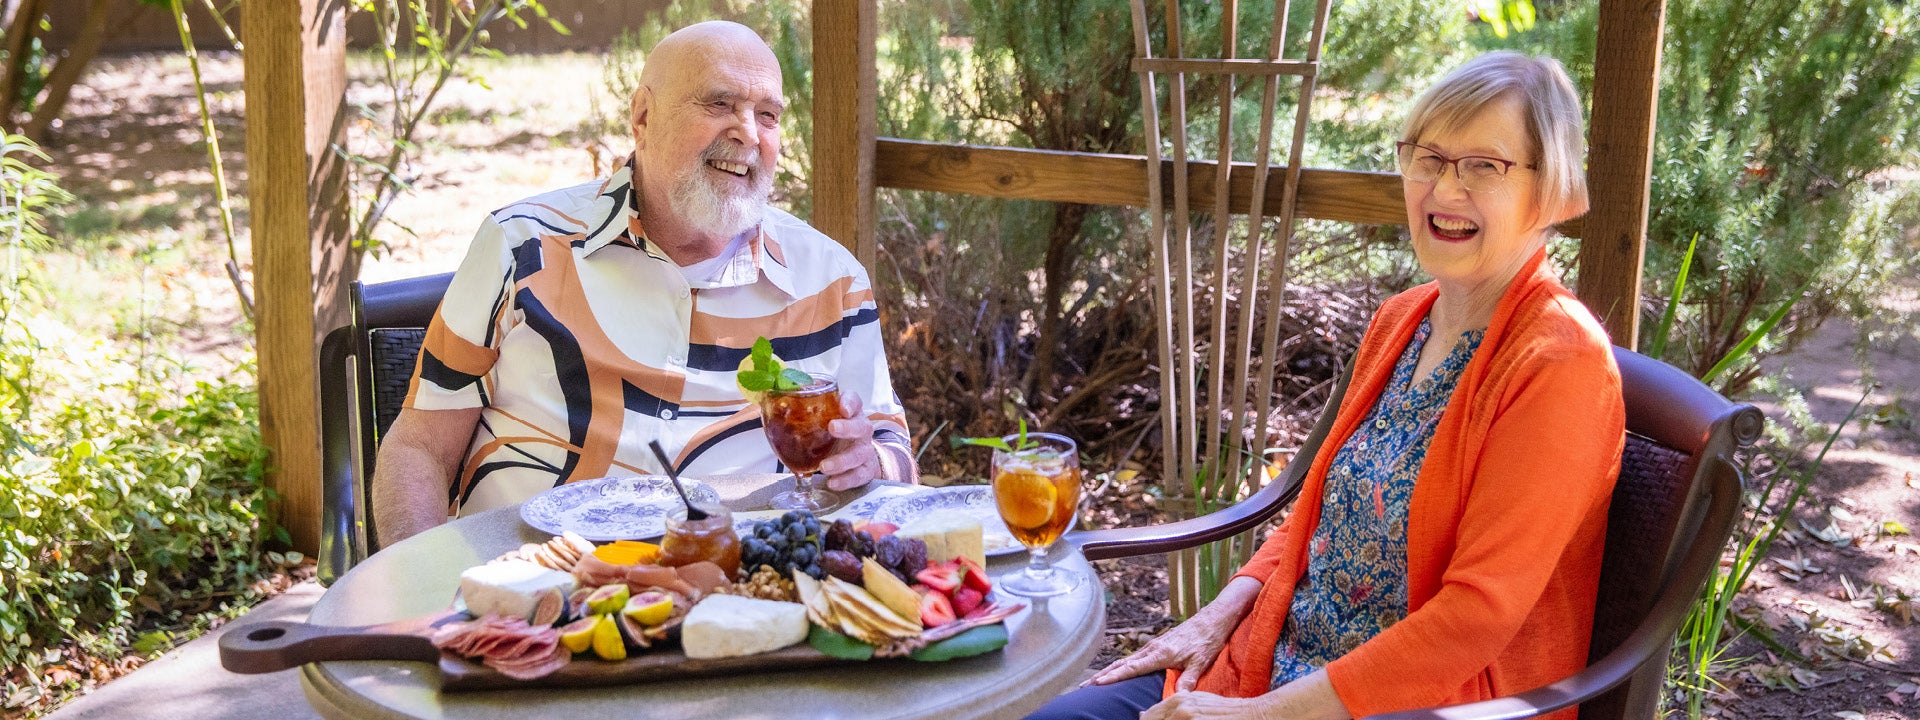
[(948, 537), (730, 625), (511, 589)]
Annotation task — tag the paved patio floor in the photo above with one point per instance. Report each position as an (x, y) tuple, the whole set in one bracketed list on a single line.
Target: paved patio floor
[(189, 683)]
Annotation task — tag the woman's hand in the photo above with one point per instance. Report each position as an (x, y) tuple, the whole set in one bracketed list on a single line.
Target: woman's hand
[(1190, 646), (1308, 698)]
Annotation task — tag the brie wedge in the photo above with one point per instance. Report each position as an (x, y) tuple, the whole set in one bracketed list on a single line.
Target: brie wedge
[(730, 625), (511, 589)]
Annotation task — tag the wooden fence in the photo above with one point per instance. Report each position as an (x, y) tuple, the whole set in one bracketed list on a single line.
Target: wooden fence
[(294, 100)]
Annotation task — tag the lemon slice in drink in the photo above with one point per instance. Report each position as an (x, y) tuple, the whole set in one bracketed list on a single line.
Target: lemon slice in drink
[(746, 363), (1025, 499)]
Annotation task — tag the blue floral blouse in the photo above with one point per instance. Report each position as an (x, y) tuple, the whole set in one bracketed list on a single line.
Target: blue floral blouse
[(1356, 580)]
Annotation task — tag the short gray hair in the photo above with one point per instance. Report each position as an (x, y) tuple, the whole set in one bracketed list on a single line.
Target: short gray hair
[(1549, 103)]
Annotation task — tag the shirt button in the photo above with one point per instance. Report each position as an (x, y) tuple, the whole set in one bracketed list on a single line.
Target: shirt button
[(666, 414), (1380, 423)]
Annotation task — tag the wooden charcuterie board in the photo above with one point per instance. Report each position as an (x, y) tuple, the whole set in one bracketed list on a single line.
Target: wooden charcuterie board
[(278, 645)]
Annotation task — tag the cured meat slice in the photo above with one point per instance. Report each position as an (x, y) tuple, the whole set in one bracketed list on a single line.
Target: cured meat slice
[(507, 644)]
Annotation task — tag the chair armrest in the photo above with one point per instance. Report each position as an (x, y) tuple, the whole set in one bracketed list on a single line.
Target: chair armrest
[(1647, 643), (1170, 537), (343, 541), (1220, 524)]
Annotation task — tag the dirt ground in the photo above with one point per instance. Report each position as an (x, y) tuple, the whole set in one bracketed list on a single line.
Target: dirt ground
[(1836, 599)]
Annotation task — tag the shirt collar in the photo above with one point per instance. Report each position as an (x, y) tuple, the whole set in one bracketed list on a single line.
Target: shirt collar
[(620, 200), (617, 215)]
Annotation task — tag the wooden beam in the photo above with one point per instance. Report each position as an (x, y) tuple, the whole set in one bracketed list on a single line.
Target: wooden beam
[(1100, 179), (844, 123), (1230, 66), (1626, 91), (302, 261)]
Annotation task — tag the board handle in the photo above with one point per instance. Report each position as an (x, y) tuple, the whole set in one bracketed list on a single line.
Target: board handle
[(277, 645)]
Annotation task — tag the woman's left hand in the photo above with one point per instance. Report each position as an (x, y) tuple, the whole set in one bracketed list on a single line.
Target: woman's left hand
[(1308, 698), (1192, 704)]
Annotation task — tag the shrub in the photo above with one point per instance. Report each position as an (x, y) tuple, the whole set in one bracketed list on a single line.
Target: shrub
[(1777, 122), (124, 501)]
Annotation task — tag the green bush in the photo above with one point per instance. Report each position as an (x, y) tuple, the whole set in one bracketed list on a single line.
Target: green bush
[(1778, 121), (127, 497)]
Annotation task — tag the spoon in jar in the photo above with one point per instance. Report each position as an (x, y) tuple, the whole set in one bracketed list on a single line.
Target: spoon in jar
[(693, 513)]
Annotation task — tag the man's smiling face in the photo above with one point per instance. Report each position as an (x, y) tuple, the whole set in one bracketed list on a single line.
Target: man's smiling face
[(707, 132)]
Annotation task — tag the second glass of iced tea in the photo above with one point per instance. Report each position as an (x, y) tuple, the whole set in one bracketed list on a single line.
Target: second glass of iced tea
[(796, 423), (1036, 487)]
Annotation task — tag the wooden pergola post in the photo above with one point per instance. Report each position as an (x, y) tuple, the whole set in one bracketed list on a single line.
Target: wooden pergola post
[(845, 123), (302, 259), (1626, 91)]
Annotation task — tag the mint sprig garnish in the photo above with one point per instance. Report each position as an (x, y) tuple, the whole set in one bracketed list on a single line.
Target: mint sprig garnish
[(1021, 443), (767, 373)]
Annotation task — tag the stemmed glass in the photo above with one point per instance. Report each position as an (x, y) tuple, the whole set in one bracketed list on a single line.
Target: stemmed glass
[(796, 423), (1036, 486)]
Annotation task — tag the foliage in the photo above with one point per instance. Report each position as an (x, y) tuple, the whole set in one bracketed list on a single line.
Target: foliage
[(120, 495), (221, 199), (421, 45), (1778, 120)]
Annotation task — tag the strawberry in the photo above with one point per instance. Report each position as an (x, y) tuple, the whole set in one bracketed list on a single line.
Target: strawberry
[(935, 610), (973, 576), (942, 577), (966, 599)]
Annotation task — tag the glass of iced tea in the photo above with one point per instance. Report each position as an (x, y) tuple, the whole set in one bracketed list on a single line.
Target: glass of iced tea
[(796, 424), (1036, 487)]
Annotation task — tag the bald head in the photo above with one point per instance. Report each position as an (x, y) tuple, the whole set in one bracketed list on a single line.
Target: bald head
[(702, 43)]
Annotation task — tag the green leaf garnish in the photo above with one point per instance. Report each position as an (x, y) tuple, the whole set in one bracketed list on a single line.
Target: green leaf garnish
[(764, 370), (791, 379), (762, 355), (1021, 443)]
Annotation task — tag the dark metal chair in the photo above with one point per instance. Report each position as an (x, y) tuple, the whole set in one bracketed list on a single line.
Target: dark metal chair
[(1673, 508), (365, 367)]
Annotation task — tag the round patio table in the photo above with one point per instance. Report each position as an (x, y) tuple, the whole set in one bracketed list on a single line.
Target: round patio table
[(1052, 641)]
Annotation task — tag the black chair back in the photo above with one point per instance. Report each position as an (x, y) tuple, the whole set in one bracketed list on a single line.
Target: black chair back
[(365, 367), (1675, 426)]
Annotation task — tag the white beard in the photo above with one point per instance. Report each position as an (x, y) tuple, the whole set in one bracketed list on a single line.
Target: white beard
[(704, 206)]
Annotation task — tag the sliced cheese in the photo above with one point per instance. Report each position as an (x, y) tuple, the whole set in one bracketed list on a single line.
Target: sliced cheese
[(511, 589), (731, 625), (948, 537)]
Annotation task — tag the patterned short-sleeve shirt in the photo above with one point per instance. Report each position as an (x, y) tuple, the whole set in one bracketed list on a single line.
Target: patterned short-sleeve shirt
[(580, 341), (1356, 580)]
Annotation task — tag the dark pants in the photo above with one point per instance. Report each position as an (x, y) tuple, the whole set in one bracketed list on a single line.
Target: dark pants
[(1124, 700)]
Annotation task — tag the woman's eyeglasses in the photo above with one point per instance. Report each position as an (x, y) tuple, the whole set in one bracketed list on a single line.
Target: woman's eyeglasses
[(1477, 173)]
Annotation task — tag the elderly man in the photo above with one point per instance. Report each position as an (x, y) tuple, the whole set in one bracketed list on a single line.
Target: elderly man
[(587, 321)]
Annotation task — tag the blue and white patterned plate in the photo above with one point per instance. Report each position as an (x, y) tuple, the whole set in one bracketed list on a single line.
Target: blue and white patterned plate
[(971, 501), (612, 508)]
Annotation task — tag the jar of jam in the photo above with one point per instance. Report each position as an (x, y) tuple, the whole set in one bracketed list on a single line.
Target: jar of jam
[(711, 539)]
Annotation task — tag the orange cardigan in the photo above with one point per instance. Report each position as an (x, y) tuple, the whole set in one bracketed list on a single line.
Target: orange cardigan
[(1507, 519)]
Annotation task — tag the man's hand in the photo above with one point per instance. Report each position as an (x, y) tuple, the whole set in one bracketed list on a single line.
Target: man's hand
[(855, 460), (1191, 646)]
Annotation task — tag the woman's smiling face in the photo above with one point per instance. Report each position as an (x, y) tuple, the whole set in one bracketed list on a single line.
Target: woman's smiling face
[(1467, 238)]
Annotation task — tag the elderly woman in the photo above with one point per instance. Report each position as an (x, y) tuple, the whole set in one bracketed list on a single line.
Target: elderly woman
[(1446, 544)]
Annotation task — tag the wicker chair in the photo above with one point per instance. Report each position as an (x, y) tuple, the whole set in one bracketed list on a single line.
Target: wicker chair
[(365, 367), (1673, 508)]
